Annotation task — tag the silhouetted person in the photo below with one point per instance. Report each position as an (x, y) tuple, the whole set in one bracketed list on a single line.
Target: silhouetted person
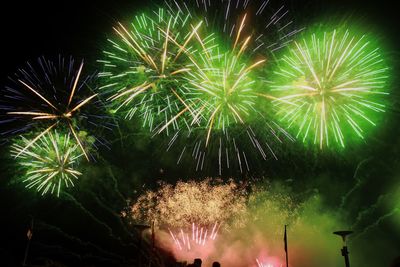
[(396, 262), (197, 262), (216, 264)]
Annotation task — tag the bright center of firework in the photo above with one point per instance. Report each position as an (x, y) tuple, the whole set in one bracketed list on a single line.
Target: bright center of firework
[(50, 107), (331, 86), (67, 115), (49, 164), (144, 65), (225, 89), (271, 262)]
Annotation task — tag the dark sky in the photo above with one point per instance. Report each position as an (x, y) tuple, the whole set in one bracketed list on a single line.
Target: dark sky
[(34, 28)]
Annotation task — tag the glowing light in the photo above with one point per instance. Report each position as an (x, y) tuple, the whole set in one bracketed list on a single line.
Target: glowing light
[(50, 163), (203, 203), (330, 87), (224, 108), (44, 96), (145, 64), (198, 237), (259, 264)]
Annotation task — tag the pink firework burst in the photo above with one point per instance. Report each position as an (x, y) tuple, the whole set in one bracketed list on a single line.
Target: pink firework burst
[(195, 241)]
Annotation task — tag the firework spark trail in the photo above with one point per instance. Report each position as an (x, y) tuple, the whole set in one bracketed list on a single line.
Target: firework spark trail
[(104, 225), (376, 223), (106, 253), (357, 184), (129, 244), (115, 183), (225, 88), (46, 94), (143, 68), (49, 163), (261, 264), (335, 83), (259, 236), (110, 210), (97, 220), (387, 202), (363, 214), (198, 237), (164, 68), (273, 25), (74, 239)]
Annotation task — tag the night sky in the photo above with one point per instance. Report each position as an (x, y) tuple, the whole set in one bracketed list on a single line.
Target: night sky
[(84, 227)]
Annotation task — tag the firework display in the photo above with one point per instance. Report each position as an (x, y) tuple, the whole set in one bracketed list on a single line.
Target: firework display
[(199, 236), (145, 64), (226, 86), (50, 163), (257, 230), (260, 263), (267, 24), (204, 203), (192, 214), (47, 95), (227, 105), (227, 90), (330, 86)]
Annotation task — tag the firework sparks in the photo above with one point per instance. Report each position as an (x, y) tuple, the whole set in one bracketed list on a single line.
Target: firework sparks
[(199, 236), (191, 215), (226, 89), (330, 87), (44, 96), (143, 68), (179, 80), (263, 264), (203, 203), (49, 163), (270, 21), (225, 110)]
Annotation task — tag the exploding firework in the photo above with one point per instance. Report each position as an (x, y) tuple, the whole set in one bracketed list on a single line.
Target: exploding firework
[(176, 78), (199, 237), (261, 263), (268, 23), (226, 89), (193, 242), (47, 95), (226, 112), (203, 203), (50, 163), (145, 65), (330, 86), (191, 215), (261, 240)]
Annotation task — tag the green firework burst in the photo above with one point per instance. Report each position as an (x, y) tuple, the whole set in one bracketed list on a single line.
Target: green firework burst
[(330, 86), (145, 64), (50, 163), (227, 124), (226, 91)]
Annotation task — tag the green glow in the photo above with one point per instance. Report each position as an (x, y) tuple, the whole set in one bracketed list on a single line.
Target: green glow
[(50, 163), (330, 86), (225, 88), (145, 64)]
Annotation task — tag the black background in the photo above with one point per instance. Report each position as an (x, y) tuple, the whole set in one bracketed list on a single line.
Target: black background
[(34, 28)]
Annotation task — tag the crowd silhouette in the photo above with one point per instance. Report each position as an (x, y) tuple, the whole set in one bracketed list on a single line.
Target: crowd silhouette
[(197, 263)]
